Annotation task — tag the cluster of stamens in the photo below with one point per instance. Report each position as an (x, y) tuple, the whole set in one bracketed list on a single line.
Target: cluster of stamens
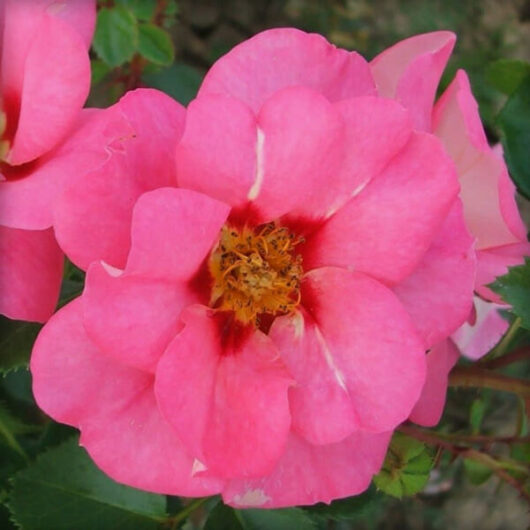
[(255, 271)]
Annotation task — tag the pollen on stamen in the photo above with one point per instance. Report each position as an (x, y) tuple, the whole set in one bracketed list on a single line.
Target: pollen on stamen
[(256, 271)]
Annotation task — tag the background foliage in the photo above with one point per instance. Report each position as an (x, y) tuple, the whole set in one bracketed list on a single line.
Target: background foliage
[(472, 470)]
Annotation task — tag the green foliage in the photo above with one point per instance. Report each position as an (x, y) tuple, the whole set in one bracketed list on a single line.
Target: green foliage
[(17, 339), (476, 472), (99, 70), (142, 9), (179, 81), (348, 509), (223, 517), (406, 468), (507, 74), (155, 45), (283, 519), (64, 490), (514, 288), (513, 121), (116, 37), (476, 414)]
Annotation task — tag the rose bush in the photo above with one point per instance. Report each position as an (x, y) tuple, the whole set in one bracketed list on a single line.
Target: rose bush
[(40, 103), (259, 327)]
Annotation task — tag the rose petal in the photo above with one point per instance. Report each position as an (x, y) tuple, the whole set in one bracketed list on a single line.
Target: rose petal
[(285, 57), (474, 340), (132, 318), (429, 408), (227, 404), (307, 473), (385, 229), (93, 215), (410, 71), (173, 230), (482, 174), (438, 294), (374, 364), (31, 269)]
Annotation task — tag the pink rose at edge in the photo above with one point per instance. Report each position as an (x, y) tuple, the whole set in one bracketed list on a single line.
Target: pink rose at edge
[(413, 67), (44, 81), (301, 166)]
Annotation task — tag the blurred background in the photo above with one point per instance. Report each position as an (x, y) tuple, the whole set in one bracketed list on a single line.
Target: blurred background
[(200, 31)]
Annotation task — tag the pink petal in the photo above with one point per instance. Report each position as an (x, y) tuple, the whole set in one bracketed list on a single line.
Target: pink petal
[(72, 379), (113, 405), (93, 215), (132, 318), (79, 14), (53, 91), (429, 408), (27, 201), (217, 152), (137, 447), (482, 174), (385, 229), (374, 364), (285, 57), (299, 155), (508, 204), (173, 230), (320, 384), (228, 404), (376, 129), (307, 473), (410, 72), (439, 293), (495, 262), (476, 339), (31, 269)]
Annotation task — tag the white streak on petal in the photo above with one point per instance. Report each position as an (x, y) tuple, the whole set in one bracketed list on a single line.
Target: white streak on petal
[(329, 359), (111, 271), (260, 167), (197, 467), (251, 498)]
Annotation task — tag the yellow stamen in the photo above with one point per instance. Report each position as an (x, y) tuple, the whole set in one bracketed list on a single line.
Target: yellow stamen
[(256, 272)]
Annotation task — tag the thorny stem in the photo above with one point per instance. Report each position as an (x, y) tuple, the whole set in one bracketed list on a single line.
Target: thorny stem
[(496, 466), (464, 376), (187, 510), (517, 355)]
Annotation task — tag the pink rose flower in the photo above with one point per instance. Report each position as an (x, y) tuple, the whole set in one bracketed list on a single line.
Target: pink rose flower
[(247, 336), (410, 72), (44, 81)]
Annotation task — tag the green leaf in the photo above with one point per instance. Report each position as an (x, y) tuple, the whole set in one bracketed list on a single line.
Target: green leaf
[(16, 343), (11, 427), (507, 74), (155, 45), (99, 70), (116, 37), (514, 288), (142, 9), (282, 519), (513, 121), (64, 490), (476, 414), (347, 509), (223, 517), (178, 81), (476, 472), (406, 468)]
